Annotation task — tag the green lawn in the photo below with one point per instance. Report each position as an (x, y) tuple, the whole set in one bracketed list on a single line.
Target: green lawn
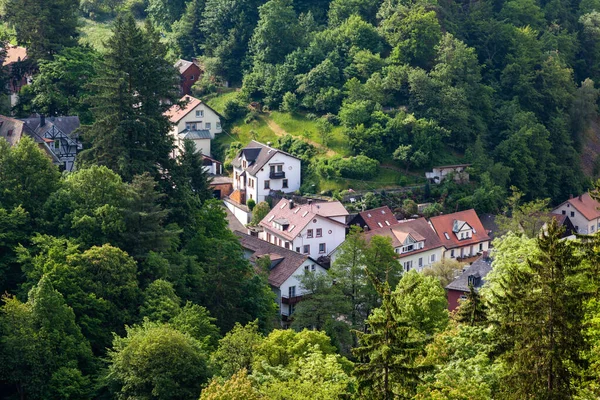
[(94, 33), (218, 101)]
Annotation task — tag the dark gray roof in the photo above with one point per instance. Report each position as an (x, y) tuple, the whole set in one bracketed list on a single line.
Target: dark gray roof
[(195, 134), (479, 269), (489, 224), (258, 155), (284, 262), (67, 125)]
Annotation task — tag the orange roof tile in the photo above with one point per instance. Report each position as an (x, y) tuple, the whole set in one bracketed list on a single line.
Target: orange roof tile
[(586, 206), (443, 225)]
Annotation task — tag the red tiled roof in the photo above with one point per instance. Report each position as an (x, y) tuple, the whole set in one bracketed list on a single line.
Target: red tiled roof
[(286, 261), (298, 217), (586, 206), (175, 113), (419, 229), (378, 217), (443, 225)]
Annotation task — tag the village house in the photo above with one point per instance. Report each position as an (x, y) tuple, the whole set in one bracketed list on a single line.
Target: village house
[(286, 269), (373, 219), (15, 63), (461, 233), (582, 212), (417, 246), (61, 134), (314, 229), (189, 73), (194, 121), (440, 173), (259, 169), (56, 136), (473, 275)]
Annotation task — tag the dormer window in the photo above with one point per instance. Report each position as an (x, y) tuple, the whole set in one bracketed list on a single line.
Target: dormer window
[(244, 164)]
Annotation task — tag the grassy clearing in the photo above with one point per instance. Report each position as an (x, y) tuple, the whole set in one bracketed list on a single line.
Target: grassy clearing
[(218, 101), (94, 33), (386, 179)]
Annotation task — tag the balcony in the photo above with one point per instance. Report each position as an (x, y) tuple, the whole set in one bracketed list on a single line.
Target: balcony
[(277, 175), (291, 300)]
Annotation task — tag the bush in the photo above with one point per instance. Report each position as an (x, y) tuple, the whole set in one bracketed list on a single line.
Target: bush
[(251, 204), (359, 167), (234, 109), (260, 212), (204, 86), (251, 116), (289, 103)]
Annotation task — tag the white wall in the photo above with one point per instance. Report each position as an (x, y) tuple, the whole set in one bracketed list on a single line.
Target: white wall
[(466, 251), (209, 117), (291, 167), (241, 215), (438, 253), (294, 280), (202, 145), (580, 222)]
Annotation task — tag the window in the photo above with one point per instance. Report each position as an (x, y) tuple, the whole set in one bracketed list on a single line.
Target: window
[(190, 126), (56, 144), (306, 249), (287, 245), (433, 258), (572, 213), (285, 183), (312, 267), (207, 125), (592, 228), (292, 291), (306, 268), (269, 237), (218, 125), (272, 169), (267, 185), (480, 246), (564, 212), (420, 262), (321, 247), (407, 266), (280, 168), (199, 113), (191, 77), (297, 249), (319, 232), (451, 253), (309, 233), (244, 164), (292, 308)]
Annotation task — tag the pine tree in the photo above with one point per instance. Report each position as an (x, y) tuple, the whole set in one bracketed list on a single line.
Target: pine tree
[(187, 32), (44, 26), (473, 310), (386, 368), (136, 85), (539, 314)]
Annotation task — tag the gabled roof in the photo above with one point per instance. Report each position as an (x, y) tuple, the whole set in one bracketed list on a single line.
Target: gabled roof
[(444, 225), (479, 269), (183, 65), (67, 125), (300, 215), (378, 217), (284, 262), (176, 113), (587, 206), (257, 155), (12, 129), (418, 229)]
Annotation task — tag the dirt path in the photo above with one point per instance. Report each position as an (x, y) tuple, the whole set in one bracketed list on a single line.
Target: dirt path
[(279, 131)]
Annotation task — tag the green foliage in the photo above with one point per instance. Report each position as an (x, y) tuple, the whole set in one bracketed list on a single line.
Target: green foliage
[(259, 212), (251, 204), (236, 387), (359, 167), (237, 349), (156, 361)]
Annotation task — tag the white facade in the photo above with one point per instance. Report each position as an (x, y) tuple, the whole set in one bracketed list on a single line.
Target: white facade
[(467, 251), (199, 119), (282, 172), (580, 222), (439, 173), (293, 288), (420, 260), (319, 238)]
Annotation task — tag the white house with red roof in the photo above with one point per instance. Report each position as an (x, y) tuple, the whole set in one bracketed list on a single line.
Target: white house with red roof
[(194, 121), (314, 229), (285, 272), (583, 213), (461, 233), (415, 243)]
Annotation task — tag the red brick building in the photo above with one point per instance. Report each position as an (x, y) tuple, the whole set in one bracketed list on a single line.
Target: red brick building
[(190, 72)]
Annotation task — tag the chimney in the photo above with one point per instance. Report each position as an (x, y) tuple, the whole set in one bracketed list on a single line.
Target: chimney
[(580, 197), (42, 120), (291, 204), (570, 196)]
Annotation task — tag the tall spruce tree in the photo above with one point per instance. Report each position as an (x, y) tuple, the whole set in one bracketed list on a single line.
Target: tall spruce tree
[(387, 352), (43, 26), (136, 85), (539, 315), (472, 310)]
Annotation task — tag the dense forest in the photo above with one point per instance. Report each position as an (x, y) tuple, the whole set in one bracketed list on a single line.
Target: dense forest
[(121, 279)]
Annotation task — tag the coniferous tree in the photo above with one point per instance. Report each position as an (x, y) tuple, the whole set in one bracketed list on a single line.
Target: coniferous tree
[(472, 310), (387, 351), (539, 313), (135, 87), (44, 26), (187, 34)]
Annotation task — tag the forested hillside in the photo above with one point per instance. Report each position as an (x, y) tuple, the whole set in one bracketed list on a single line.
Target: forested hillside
[(121, 280)]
